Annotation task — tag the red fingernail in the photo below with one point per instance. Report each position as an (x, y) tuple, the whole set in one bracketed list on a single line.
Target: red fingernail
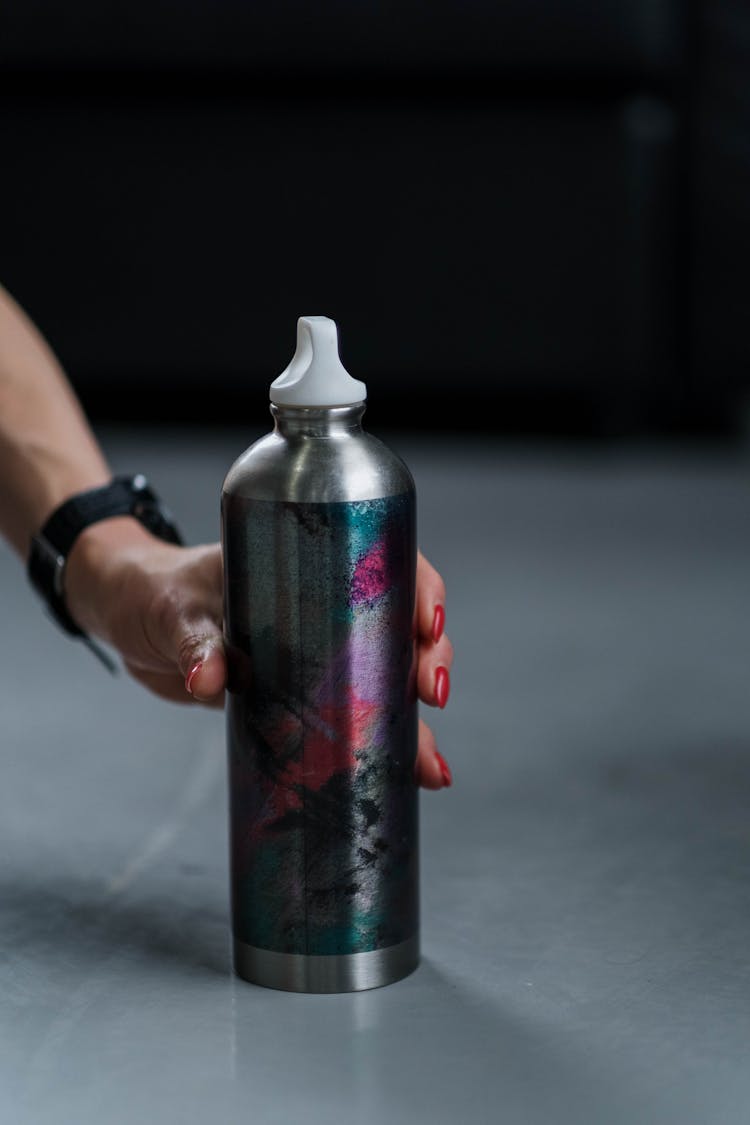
[(442, 686), (438, 623), (191, 676), (444, 769)]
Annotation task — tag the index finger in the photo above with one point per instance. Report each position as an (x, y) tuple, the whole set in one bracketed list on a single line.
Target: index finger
[(430, 600)]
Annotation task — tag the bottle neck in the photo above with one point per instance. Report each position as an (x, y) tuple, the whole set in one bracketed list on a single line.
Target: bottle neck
[(317, 421)]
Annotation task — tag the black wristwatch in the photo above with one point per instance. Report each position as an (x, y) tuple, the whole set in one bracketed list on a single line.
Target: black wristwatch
[(50, 547)]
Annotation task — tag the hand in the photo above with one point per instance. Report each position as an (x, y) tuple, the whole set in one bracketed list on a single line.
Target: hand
[(434, 660), (160, 606)]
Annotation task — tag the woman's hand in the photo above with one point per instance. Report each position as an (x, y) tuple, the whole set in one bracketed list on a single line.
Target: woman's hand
[(434, 660), (160, 607)]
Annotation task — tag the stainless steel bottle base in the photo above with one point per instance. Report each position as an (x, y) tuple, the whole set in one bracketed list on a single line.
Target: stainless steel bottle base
[(335, 972)]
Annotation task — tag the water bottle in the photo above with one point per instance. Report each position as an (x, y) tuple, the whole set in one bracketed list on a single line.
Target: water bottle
[(318, 529)]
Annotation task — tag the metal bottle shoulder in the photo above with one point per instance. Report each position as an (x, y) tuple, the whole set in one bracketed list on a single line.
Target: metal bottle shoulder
[(308, 468)]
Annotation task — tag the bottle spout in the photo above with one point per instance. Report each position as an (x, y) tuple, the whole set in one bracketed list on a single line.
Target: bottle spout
[(316, 376)]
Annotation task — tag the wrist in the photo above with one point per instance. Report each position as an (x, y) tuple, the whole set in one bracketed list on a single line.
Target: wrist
[(95, 569), (76, 558)]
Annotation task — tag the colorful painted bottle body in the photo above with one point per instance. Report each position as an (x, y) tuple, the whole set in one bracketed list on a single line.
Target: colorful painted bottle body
[(320, 557)]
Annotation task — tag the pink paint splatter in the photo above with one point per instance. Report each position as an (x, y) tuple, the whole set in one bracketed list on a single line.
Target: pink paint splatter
[(335, 733), (369, 580)]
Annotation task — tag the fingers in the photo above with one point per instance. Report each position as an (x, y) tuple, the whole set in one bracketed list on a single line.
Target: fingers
[(434, 661), (431, 770), (435, 652), (430, 601)]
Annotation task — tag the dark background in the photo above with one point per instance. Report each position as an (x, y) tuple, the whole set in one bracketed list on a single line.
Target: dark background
[(529, 216)]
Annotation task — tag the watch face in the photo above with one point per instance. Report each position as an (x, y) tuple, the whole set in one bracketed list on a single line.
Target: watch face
[(148, 509)]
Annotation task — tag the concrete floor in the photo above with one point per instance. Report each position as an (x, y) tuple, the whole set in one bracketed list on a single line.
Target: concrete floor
[(586, 883)]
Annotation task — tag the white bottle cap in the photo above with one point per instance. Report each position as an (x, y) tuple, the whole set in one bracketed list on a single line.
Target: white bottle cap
[(316, 376)]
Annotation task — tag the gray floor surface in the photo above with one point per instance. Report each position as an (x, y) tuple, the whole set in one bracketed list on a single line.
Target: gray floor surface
[(586, 883)]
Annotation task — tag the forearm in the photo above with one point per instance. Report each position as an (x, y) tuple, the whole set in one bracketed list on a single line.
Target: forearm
[(47, 449)]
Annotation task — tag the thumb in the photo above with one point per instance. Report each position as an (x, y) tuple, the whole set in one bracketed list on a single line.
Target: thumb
[(203, 666), (192, 623)]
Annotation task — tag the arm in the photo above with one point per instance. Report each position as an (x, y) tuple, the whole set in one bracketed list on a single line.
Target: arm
[(159, 605), (47, 451), (166, 618)]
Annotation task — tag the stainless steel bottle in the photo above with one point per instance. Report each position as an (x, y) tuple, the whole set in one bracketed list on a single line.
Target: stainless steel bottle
[(318, 524)]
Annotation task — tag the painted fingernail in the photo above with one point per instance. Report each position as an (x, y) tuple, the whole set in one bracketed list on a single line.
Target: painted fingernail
[(191, 676), (442, 686), (444, 769), (438, 623)]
